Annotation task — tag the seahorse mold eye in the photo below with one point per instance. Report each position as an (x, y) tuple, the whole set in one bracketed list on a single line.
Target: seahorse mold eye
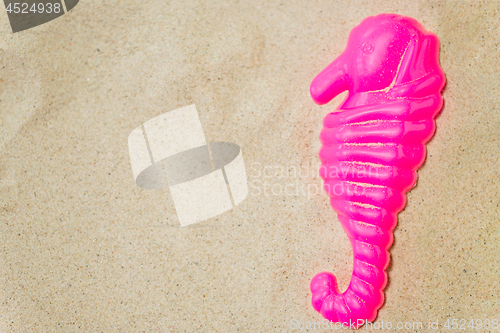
[(367, 48), (377, 138)]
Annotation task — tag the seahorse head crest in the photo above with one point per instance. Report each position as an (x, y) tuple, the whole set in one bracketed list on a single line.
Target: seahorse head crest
[(383, 50)]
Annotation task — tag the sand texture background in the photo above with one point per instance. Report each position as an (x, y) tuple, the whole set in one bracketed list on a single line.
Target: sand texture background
[(83, 249)]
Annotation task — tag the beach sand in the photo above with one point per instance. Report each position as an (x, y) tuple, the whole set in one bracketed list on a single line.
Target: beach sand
[(83, 249)]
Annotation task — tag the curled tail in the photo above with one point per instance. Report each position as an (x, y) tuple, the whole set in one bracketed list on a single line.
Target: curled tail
[(370, 241)]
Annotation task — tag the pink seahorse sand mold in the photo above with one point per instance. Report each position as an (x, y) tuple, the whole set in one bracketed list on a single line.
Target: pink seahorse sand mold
[(391, 71)]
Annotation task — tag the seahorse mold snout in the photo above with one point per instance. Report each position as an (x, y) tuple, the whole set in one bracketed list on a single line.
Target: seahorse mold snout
[(372, 146)]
